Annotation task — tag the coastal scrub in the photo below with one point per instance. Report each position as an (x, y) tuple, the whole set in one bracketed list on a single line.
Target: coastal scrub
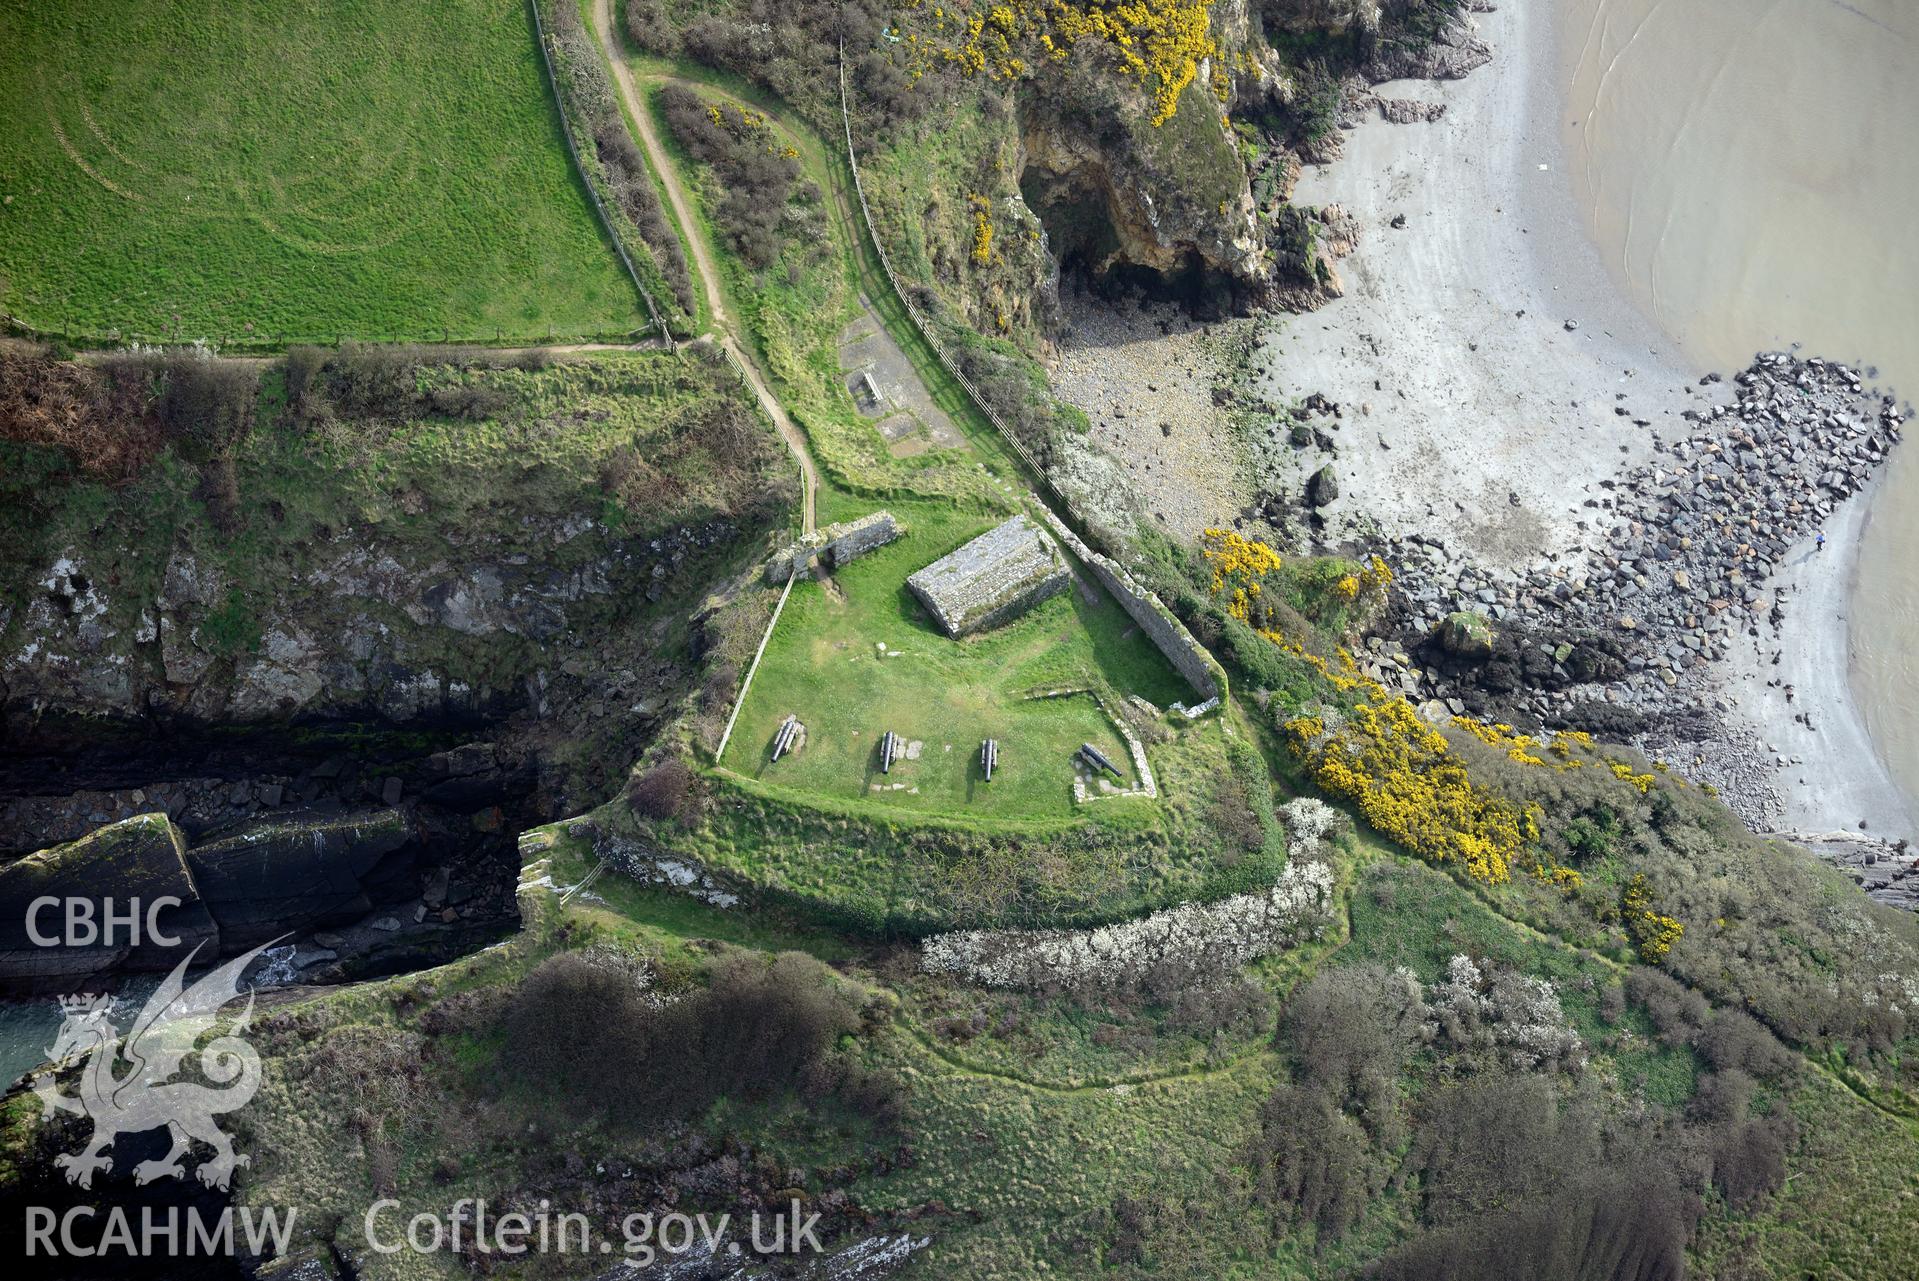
[(1159, 43)]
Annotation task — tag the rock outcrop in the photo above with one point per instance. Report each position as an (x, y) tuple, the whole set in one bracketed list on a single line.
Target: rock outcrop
[(297, 875), (1888, 871), (364, 633), (115, 879), (1322, 487), (1425, 40), (1624, 638), (1135, 202), (1465, 634)]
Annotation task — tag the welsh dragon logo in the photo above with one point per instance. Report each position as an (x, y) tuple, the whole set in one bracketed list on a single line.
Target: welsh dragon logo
[(141, 1095)]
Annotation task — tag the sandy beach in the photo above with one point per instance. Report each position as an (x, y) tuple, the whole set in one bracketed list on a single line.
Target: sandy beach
[(1826, 771), (1478, 404), (1498, 421), (1496, 386)]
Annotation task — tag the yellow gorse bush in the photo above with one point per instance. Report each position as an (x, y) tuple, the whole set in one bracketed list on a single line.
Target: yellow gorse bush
[(1161, 42), (1624, 772), (1401, 774), (1653, 933), (744, 124), (1520, 748), (1233, 555), (1240, 567), (982, 230), (1562, 748)]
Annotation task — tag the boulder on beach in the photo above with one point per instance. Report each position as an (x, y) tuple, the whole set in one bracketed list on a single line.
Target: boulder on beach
[(1466, 634), (1322, 488)]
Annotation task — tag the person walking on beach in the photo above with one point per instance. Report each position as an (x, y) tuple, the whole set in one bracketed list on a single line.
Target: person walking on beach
[(1819, 544)]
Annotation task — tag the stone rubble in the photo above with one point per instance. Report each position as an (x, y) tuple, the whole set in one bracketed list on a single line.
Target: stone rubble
[(1623, 639)]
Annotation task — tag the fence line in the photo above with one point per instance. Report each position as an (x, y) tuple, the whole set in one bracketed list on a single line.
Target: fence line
[(920, 323), (746, 385), (747, 684), (268, 343), (586, 179)]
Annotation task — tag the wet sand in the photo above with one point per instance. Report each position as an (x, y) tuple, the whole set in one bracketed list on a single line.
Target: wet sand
[(1749, 168)]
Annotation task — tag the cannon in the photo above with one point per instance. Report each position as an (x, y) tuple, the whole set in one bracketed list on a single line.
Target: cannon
[(787, 734), (1097, 759)]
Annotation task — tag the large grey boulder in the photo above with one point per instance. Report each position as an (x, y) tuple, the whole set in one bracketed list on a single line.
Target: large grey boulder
[(135, 863), (1466, 634), (1322, 488)]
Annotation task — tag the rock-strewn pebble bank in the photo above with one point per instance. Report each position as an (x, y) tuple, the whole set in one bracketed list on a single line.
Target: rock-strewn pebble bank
[(1888, 871), (1704, 526), (1622, 638)]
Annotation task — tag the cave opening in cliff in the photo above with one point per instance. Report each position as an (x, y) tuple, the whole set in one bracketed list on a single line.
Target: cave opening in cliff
[(1072, 209), (368, 849)]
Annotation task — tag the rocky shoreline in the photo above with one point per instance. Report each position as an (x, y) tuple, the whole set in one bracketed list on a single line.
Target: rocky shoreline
[(1630, 638), (1683, 548), (1586, 532)]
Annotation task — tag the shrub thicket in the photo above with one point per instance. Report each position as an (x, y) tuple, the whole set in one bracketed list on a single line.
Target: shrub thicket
[(716, 446), (207, 406), (388, 380), (1609, 1226), (98, 417), (1310, 1160), (590, 99), (758, 173), (113, 417), (1519, 1162), (1767, 929), (763, 1026), (1351, 1030), (792, 47), (666, 791)]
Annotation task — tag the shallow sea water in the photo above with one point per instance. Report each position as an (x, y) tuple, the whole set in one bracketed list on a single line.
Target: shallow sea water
[(1750, 171)]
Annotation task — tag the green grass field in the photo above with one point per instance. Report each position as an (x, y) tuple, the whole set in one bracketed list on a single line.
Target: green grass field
[(825, 665), (244, 171), (793, 312)]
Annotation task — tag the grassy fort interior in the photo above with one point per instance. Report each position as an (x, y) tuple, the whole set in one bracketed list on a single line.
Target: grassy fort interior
[(857, 654)]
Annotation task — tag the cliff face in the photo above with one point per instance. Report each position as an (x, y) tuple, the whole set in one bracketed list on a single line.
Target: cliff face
[(355, 625), (1198, 207), (402, 561), (1167, 206)]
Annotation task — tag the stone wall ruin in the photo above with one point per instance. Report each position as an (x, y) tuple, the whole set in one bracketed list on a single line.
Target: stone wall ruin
[(992, 579)]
